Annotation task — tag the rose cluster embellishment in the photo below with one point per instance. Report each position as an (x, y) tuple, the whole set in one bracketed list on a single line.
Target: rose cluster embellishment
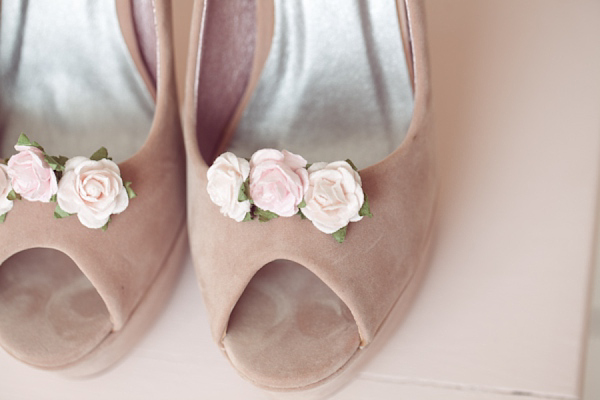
[(90, 187), (277, 183)]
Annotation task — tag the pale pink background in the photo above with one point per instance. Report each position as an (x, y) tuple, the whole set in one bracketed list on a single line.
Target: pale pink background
[(502, 313)]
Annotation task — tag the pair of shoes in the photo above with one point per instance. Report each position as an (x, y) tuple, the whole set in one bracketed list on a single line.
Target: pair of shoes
[(295, 292)]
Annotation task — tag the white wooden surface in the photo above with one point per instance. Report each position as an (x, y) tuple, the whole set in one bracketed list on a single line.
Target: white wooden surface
[(502, 313)]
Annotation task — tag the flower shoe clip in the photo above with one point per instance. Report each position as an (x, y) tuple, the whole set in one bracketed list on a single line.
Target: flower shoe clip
[(277, 183), (91, 187)]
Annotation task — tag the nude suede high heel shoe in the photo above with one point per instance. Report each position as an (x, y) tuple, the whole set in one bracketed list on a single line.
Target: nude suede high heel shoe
[(74, 298), (289, 306)]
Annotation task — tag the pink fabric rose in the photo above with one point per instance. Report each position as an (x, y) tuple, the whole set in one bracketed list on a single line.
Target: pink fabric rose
[(30, 174), (225, 178), (278, 180), (334, 196), (93, 190), (5, 187)]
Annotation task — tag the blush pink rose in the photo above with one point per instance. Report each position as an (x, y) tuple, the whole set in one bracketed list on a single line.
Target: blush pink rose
[(334, 196), (30, 174), (278, 180), (93, 190), (5, 187)]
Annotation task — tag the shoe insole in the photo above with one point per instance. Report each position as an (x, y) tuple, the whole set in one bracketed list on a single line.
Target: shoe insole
[(289, 329), (335, 86), (50, 314), (68, 82)]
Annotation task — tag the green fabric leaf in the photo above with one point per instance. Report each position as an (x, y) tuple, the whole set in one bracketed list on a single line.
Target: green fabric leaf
[(301, 214), (351, 164), (3, 218), (264, 215), (105, 227), (60, 213), (99, 154), (54, 163), (302, 204), (62, 160), (244, 192), (365, 210), (24, 140), (12, 195), (130, 193), (308, 165), (340, 234), (248, 217), (53, 198)]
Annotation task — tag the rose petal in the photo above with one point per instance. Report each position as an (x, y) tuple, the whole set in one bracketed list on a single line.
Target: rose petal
[(109, 165), (67, 197), (72, 163), (122, 202), (90, 220), (293, 160), (317, 167), (265, 155), (5, 185)]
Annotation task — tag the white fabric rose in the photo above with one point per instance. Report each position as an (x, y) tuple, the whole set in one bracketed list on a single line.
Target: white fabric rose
[(334, 196), (93, 190), (278, 180), (5, 187), (225, 178)]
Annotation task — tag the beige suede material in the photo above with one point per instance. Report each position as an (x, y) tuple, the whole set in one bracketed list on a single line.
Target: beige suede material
[(370, 270), (122, 262)]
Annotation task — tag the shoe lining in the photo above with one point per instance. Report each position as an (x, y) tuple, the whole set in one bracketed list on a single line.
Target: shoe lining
[(67, 80), (335, 86)]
